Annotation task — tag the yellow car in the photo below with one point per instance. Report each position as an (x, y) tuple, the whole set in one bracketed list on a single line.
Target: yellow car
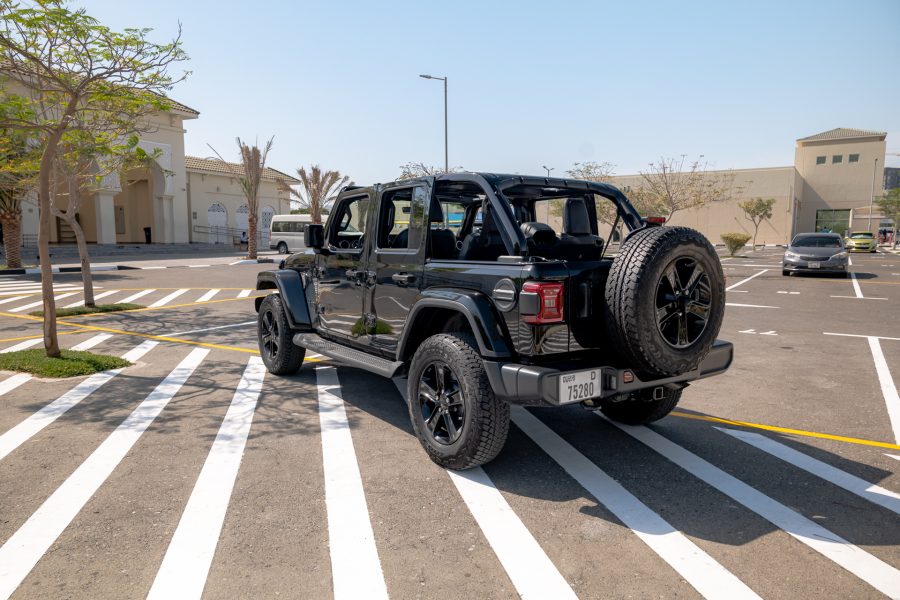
[(860, 241)]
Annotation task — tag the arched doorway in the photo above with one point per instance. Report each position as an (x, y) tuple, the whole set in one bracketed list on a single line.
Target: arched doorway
[(265, 226), (217, 218), (241, 220)]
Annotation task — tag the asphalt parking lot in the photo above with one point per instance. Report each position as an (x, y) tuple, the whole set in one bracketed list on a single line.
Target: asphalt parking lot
[(195, 473)]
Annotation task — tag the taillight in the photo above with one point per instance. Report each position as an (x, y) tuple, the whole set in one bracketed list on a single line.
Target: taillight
[(548, 307)]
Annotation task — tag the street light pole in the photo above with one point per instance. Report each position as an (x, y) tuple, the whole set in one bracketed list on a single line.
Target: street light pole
[(872, 197), (446, 152), (548, 169)]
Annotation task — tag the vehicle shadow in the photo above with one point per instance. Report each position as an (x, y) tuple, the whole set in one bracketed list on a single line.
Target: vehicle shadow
[(522, 469)]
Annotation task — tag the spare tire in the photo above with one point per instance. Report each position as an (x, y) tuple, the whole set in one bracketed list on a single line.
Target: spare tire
[(665, 298)]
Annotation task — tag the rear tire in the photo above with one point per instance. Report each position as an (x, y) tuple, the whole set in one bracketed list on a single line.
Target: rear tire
[(282, 248), (640, 410), (665, 299), (785, 273), (275, 338), (457, 418)]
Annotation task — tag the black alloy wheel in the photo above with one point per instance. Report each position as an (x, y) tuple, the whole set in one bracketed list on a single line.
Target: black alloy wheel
[(441, 403), (269, 333), (683, 302)]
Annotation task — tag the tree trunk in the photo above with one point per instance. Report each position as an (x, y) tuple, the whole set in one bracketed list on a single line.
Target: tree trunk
[(51, 340), (251, 240), (87, 278), (12, 237)]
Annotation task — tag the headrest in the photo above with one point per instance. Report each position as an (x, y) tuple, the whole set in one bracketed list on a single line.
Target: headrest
[(575, 218), (540, 233)]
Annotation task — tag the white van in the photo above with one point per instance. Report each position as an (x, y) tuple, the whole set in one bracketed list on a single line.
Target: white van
[(287, 233)]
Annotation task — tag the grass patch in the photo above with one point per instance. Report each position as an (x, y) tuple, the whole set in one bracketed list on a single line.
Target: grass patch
[(84, 310), (70, 364)]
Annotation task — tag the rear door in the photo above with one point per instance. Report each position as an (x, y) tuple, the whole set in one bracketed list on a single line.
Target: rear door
[(396, 263)]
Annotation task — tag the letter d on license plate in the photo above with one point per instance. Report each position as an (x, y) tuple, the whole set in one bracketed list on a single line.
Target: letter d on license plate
[(578, 386)]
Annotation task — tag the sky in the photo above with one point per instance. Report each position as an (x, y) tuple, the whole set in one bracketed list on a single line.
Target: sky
[(530, 83)]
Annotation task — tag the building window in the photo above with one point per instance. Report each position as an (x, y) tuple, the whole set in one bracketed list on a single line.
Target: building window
[(820, 160), (833, 221), (837, 158), (853, 158)]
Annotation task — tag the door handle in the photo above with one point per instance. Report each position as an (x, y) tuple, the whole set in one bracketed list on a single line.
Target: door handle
[(403, 278)]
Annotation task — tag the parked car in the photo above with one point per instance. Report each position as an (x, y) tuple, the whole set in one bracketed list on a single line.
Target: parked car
[(815, 252), (287, 233), (861, 241), (404, 280)]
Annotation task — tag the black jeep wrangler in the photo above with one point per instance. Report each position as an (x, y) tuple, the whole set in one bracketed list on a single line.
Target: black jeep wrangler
[(486, 290)]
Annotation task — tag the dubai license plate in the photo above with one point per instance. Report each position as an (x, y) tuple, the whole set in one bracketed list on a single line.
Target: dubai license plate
[(814, 265), (582, 385)]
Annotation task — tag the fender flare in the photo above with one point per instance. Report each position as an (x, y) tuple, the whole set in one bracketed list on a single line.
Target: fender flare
[(474, 307), (292, 289)]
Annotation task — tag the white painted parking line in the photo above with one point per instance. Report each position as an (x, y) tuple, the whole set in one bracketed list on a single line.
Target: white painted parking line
[(244, 324), (700, 570), (244, 293), (750, 305), (860, 297), (742, 281), (96, 297), (787, 292), (862, 488), (19, 434), (25, 307), (165, 300), (880, 575), (198, 266), (856, 287), (529, 568), (894, 456), (27, 545), (13, 299), (91, 342), (355, 566), (186, 564), (134, 297), (11, 383), (23, 345), (888, 389), (207, 296), (880, 337)]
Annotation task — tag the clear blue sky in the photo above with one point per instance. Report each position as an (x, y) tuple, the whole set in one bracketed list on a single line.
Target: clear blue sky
[(531, 83)]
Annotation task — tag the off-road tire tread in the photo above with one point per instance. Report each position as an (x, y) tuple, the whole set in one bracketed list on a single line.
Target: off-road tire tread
[(641, 412), (290, 356), (490, 422), (622, 297)]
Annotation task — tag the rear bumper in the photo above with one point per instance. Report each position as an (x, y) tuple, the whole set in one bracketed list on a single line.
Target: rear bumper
[(539, 386)]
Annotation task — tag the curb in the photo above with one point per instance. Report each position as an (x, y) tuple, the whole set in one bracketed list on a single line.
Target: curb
[(97, 268)]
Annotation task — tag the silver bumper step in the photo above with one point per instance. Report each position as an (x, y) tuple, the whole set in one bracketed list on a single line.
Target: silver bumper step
[(349, 356)]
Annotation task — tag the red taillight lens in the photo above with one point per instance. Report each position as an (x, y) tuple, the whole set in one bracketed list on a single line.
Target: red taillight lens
[(550, 302)]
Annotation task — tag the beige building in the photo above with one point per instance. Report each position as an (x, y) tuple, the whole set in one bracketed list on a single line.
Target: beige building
[(179, 199), (830, 186)]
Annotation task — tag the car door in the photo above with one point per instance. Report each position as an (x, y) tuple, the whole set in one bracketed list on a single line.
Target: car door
[(396, 262), (341, 273)]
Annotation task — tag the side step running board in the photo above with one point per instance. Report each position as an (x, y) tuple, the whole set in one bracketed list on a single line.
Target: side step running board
[(350, 356)]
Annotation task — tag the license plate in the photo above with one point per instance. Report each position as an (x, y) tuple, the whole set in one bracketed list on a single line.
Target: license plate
[(575, 387), (814, 265)]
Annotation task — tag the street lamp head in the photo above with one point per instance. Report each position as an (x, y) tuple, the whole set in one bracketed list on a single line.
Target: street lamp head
[(426, 76)]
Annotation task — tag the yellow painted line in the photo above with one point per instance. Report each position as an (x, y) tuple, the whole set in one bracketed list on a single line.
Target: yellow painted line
[(800, 432)]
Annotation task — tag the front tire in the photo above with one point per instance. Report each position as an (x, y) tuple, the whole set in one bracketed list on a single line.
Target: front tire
[(641, 408), (282, 248), (457, 418), (276, 344)]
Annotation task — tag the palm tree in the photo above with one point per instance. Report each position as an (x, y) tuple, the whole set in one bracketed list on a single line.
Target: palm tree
[(17, 173), (253, 163), (320, 188)]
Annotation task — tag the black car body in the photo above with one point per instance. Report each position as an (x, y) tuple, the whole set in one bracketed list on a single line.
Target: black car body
[(468, 254)]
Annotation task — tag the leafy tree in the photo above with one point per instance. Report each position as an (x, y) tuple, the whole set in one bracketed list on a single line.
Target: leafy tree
[(60, 66), (889, 204), (670, 186), (412, 170), (18, 173), (320, 188), (735, 241), (757, 210), (592, 171)]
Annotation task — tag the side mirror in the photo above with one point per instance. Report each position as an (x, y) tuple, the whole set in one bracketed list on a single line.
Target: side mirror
[(314, 235)]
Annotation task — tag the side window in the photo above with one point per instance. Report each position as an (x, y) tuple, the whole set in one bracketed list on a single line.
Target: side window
[(350, 223), (277, 226), (401, 219)]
